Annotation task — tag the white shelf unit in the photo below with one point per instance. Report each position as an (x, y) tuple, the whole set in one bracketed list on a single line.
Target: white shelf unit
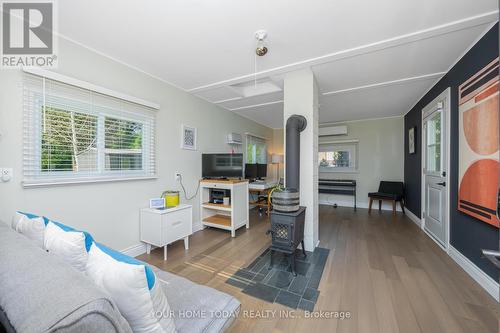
[(227, 217)]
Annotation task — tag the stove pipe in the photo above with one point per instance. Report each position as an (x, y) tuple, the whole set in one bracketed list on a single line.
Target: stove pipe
[(294, 125)]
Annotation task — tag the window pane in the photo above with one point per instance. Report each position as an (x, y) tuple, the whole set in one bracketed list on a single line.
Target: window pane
[(434, 143), (69, 141), (256, 150), (335, 159), (123, 144)]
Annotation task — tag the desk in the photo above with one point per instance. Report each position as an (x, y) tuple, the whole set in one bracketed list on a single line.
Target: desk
[(263, 190), (338, 186)]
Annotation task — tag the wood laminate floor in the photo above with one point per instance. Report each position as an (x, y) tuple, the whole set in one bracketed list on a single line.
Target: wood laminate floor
[(384, 270)]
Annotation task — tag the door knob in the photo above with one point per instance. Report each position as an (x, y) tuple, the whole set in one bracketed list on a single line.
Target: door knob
[(493, 256), (442, 184)]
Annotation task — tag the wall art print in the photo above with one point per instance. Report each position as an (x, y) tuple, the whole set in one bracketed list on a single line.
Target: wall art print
[(478, 145)]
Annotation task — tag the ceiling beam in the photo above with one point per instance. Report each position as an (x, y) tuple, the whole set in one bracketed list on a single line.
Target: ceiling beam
[(228, 100), (386, 83), (255, 105), (446, 28)]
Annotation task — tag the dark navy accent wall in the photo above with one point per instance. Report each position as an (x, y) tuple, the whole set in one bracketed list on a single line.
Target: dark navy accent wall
[(467, 234)]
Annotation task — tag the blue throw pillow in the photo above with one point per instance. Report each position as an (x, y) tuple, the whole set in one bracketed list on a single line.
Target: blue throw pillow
[(118, 256)]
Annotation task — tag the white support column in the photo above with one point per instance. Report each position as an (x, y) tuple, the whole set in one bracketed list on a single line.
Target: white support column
[(301, 97)]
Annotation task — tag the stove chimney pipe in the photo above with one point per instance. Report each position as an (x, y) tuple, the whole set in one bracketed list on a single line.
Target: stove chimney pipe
[(294, 125)]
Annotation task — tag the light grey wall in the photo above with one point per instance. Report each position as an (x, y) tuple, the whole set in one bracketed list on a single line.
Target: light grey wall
[(380, 157), (110, 211)]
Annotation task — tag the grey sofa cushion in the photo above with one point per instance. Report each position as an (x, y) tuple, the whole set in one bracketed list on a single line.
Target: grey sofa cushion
[(213, 310), (41, 293)]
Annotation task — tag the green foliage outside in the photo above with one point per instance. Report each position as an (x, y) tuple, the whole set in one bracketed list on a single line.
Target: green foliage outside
[(67, 136)]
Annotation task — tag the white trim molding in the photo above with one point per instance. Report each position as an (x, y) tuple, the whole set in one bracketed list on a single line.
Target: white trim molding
[(135, 250), (256, 105), (386, 83), (414, 218), (484, 280), (454, 63), (350, 204)]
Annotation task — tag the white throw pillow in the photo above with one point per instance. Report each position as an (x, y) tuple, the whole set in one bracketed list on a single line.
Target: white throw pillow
[(70, 245), (33, 228), (133, 287)]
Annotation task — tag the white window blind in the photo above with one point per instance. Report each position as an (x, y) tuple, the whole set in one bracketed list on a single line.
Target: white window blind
[(73, 134), (256, 150)]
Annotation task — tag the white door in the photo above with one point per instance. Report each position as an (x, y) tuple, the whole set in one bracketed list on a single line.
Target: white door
[(434, 160)]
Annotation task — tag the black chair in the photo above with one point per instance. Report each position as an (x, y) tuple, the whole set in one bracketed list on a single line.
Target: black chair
[(388, 191)]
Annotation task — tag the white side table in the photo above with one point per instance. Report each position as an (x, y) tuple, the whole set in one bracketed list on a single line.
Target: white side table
[(160, 227)]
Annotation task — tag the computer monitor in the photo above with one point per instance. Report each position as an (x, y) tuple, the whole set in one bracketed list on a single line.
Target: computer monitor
[(251, 171), (255, 171), (261, 171)]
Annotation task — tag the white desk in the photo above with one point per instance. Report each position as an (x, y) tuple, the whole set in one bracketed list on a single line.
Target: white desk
[(160, 227), (261, 189), (261, 185)]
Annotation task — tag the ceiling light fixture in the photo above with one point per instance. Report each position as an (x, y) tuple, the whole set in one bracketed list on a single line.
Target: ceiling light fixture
[(261, 49)]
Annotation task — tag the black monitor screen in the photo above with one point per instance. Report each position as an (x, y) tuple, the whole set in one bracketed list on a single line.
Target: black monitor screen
[(251, 171), (262, 170), (221, 165), (255, 171)]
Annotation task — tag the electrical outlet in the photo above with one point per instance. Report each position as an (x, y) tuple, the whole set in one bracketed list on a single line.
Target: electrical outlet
[(6, 174), (178, 176)]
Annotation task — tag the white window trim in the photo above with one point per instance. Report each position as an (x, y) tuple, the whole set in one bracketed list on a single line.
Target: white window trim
[(352, 170), (69, 178)]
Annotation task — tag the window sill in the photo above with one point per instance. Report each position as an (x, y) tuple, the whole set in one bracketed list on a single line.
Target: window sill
[(64, 182)]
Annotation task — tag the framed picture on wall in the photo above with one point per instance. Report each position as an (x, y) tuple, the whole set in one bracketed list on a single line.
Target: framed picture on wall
[(188, 137), (478, 163), (411, 140)]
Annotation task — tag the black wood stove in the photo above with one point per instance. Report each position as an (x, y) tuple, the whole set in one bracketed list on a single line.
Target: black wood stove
[(287, 217), (287, 230)]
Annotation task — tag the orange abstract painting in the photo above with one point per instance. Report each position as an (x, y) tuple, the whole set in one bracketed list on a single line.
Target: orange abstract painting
[(478, 144)]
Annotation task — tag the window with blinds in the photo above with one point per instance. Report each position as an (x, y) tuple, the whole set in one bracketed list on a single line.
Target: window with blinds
[(73, 134), (256, 150)]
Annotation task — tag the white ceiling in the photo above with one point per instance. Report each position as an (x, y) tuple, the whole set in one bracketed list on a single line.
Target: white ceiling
[(371, 58)]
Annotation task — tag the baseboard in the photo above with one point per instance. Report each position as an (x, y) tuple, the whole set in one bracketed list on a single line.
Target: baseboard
[(491, 286), (197, 227), (414, 218), (385, 206), (135, 250)]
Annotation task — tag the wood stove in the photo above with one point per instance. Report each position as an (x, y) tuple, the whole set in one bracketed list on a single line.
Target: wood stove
[(287, 230), (287, 218)]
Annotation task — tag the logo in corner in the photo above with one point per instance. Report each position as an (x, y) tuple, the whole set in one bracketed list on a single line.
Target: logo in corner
[(28, 34)]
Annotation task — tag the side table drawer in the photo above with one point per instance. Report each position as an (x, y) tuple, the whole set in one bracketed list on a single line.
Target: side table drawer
[(176, 225)]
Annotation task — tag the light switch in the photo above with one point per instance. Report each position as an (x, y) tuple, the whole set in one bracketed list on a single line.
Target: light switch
[(6, 174)]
